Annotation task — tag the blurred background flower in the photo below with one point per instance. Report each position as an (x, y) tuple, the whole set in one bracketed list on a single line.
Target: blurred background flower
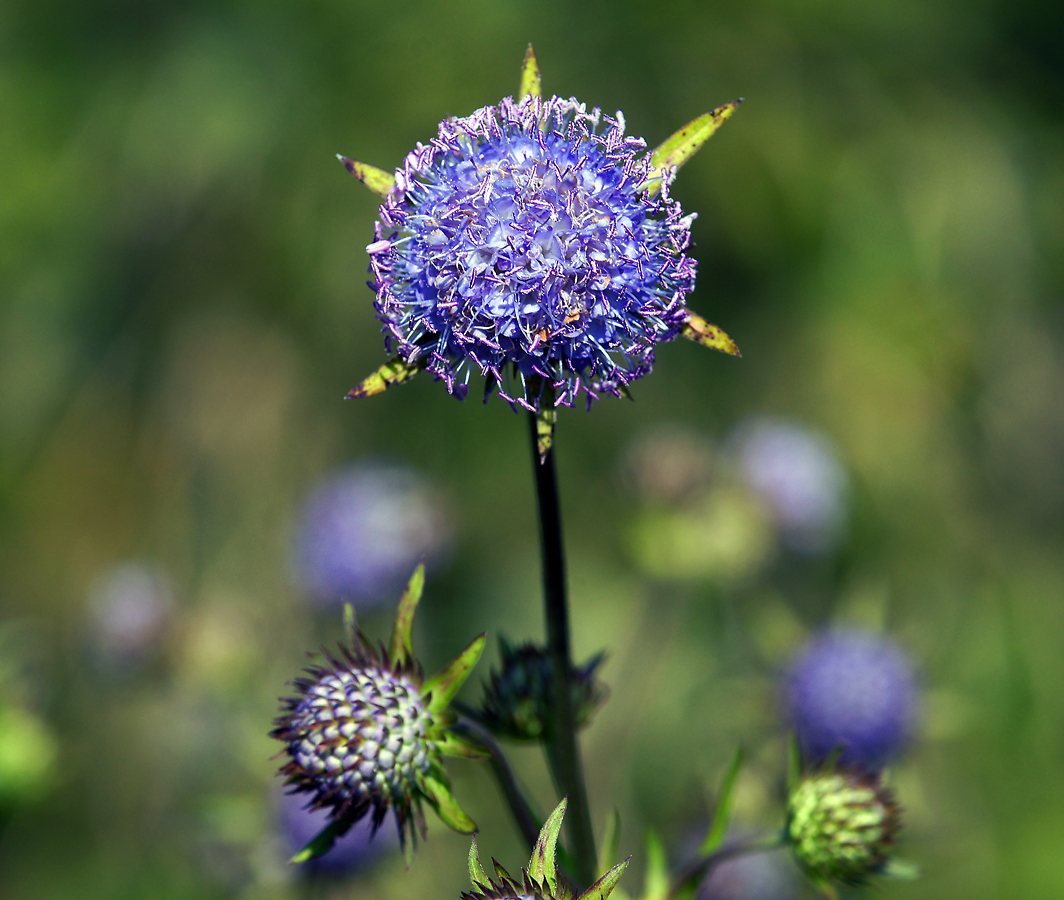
[(760, 876), (364, 529)]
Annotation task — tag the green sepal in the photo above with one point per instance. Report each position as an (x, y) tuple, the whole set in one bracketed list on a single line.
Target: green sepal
[(656, 882), (719, 826), (611, 838), (445, 685), (477, 875), (542, 867), (451, 744), (393, 372), (377, 180), (530, 80), (322, 842), (602, 888), (500, 872), (707, 334), (447, 808), (401, 647), (681, 146)]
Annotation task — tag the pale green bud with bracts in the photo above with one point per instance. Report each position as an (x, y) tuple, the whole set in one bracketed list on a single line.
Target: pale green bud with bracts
[(542, 879), (366, 732), (842, 826)]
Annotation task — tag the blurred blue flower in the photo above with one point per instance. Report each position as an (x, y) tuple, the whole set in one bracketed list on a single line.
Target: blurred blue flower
[(798, 474), (524, 236), (130, 607), (362, 531), (855, 692), (357, 849), (759, 876)]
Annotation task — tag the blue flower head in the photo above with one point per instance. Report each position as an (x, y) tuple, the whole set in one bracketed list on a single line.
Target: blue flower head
[(535, 243), (852, 693)]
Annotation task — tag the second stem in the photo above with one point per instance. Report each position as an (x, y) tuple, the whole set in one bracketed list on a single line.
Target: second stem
[(563, 751)]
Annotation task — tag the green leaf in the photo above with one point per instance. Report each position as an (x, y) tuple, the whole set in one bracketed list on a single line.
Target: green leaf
[(395, 371), (611, 839), (794, 764), (656, 884), (707, 334), (322, 842), (679, 148), (530, 80), (542, 867), (377, 180), (401, 649), (602, 888), (476, 871), (451, 744), (447, 808), (350, 625), (445, 685), (719, 825)]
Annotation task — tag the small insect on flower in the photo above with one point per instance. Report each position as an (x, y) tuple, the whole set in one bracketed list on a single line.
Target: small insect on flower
[(542, 880), (535, 243), (365, 733)]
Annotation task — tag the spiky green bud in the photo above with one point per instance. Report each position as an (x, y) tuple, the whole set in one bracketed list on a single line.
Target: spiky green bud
[(542, 879), (518, 699), (841, 826), (365, 733)]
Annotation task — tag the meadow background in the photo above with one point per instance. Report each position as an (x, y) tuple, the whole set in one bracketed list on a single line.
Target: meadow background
[(183, 307)]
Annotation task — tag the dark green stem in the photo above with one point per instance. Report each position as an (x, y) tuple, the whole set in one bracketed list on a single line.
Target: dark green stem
[(563, 752)]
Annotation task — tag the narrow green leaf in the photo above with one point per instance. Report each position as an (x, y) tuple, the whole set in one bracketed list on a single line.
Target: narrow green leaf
[(447, 808), (719, 826), (707, 334), (451, 744), (445, 685), (476, 871), (681, 146), (350, 625), (401, 647), (611, 839), (322, 842), (542, 867), (395, 371), (602, 888), (530, 80), (377, 180), (656, 884)]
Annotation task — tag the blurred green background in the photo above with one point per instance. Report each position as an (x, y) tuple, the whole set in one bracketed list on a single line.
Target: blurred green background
[(183, 306)]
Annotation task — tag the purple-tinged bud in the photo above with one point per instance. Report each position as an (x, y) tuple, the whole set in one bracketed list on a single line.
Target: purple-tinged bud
[(363, 529), (852, 693)]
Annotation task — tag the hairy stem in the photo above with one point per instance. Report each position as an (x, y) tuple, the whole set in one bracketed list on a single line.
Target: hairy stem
[(563, 752)]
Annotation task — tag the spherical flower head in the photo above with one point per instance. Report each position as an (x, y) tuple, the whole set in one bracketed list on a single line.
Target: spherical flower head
[(518, 696), (365, 733), (853, 693), (522, 243), (797, 472), (841, 826), (363, 528)]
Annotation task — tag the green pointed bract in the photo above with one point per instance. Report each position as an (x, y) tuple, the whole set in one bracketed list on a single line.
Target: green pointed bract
[(542, 867), (477, 875), (685, 143), (500, 872), (401, 648), (707, 334), (444, 686), (656, 884), (322, 842), (719, 826), (447, 808), (602, 888), (530, 80), (611, 838), (393, 372), (377, 180)]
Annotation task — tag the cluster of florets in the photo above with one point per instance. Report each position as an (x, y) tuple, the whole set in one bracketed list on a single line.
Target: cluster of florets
[(523, 242), (518, 696)]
